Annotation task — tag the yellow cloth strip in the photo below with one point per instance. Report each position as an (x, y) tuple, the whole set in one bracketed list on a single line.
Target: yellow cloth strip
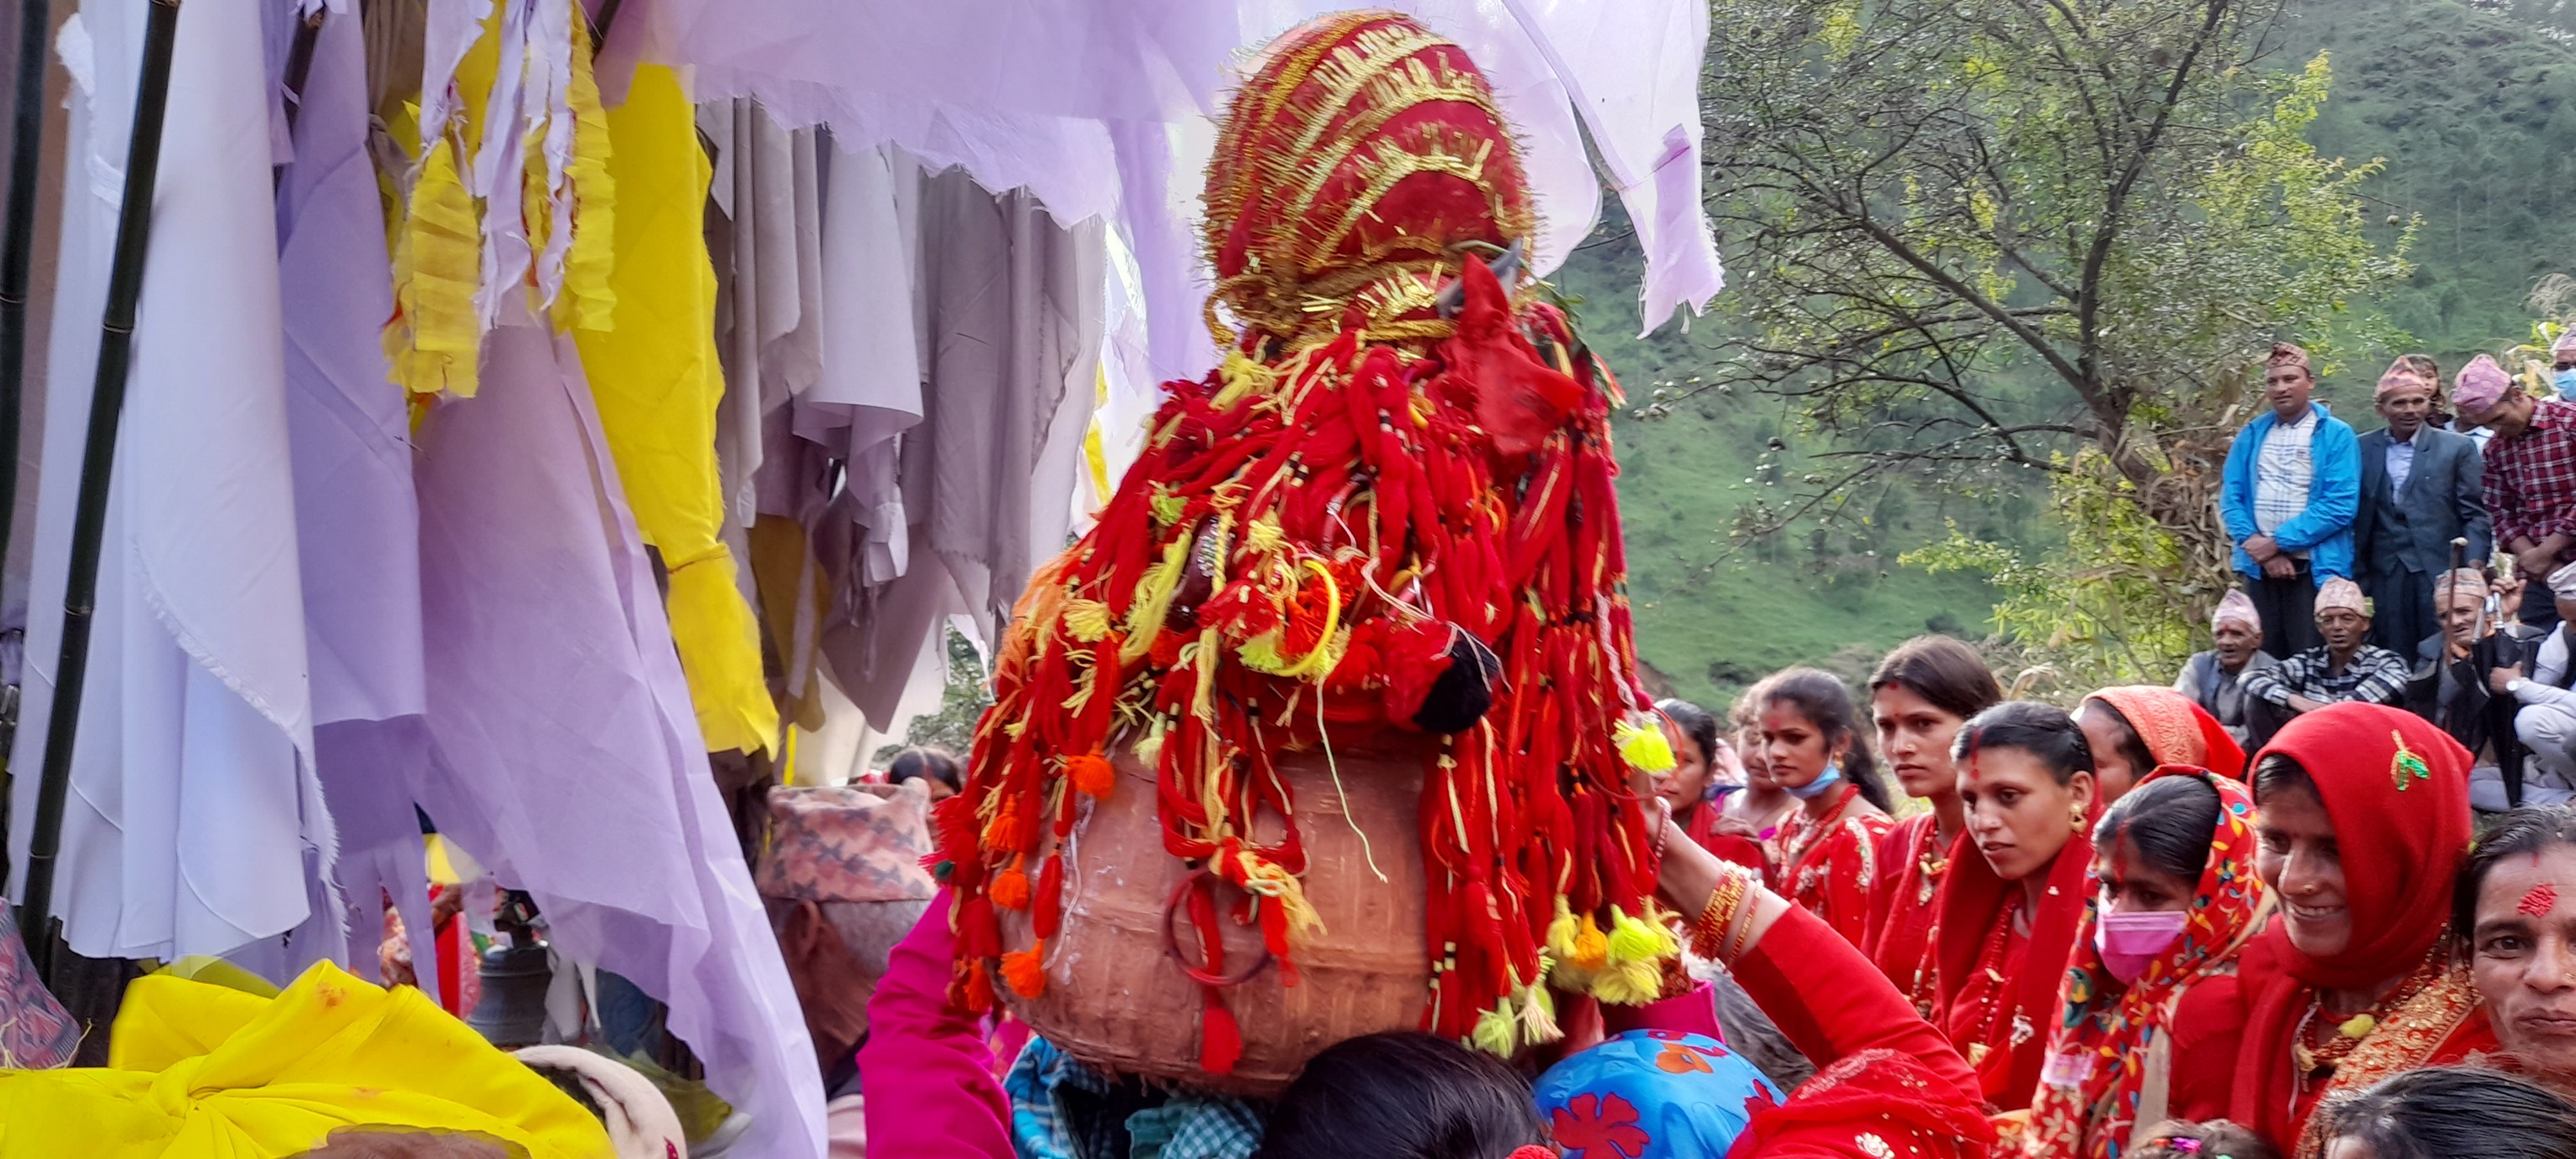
[(657, 383)]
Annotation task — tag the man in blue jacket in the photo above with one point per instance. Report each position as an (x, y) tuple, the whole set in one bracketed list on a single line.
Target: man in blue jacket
[(2292, 487)]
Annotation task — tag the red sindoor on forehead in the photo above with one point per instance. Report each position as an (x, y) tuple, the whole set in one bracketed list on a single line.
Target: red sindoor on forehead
[(2537, 903)]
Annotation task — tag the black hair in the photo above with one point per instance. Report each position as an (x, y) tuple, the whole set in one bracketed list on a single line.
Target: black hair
[(2170, 821), (2444, 1111), (1821, 698), (2210, 1139), (2528, 832), (926, 762), (1403, 1095), (1942, 670), (2133, 748), (2280, 773), (2042, 730), (1695, 723)]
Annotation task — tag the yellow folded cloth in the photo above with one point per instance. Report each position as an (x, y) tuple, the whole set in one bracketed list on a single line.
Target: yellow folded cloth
[(198, 1069)]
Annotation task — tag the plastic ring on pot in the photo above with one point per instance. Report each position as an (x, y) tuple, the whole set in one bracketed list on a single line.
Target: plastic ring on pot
[(1172, 939)]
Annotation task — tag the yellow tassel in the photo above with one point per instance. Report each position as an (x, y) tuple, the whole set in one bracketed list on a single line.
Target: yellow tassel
[(1149, 747), (1242, 376), (1087, 620), (1282, 888), (1263, 535), (1560, 932), (1630, 940), (1644, 746), (1154, 599), (1167, 507), (1496, 1031), (1538, 1017), (1630, 984), (1591, 950)]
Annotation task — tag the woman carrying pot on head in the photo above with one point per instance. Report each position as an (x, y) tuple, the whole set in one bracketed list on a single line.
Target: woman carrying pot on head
[(2135, 729), (2356, 981), (1828, 848), (2016, 891), (1919, 697), (2153, 1016), (2514, 914), (1705, 771)]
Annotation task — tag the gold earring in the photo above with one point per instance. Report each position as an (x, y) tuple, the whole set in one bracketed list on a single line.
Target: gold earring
[(2075, 817)]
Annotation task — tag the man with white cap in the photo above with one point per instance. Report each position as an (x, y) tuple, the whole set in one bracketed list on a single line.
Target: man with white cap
[(2546, 725), (2346, 667), (2420, 490), (2530, 476), (2214, 679)]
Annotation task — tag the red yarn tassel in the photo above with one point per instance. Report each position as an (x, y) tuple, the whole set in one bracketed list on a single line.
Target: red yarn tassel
[(1047, 913), (1220, 1039)]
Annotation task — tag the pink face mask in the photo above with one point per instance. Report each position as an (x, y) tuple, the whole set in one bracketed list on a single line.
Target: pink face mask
[(2129, 942)]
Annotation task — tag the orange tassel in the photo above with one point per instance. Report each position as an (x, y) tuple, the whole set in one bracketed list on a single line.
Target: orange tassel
[(1010, 890), (1021, 969), (1092, 776), (979, 989), (1220, 1039)]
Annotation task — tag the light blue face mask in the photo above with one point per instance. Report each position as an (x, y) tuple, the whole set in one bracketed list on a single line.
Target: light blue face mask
[(2565, 380), (1827, 779)]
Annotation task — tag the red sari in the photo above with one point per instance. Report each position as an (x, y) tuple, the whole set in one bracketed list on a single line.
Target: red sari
[(1700, 825), (1998, 987), (1903, 921), (1829, 865), (2396, 786), (2161, 1046)]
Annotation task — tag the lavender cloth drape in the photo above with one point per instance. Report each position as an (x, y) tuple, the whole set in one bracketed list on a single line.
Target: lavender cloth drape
[(568, 756)]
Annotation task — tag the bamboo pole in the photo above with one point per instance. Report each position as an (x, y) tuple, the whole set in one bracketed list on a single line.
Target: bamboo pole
[(18, 246), (98, 459)]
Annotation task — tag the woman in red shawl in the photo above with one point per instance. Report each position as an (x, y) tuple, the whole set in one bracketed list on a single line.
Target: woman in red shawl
[(2016, 890), (1828, 849), (2356, 981), (2153, 1016), (1919, 697), (2135, 729)]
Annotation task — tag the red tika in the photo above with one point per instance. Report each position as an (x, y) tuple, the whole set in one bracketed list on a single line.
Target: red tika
[(1829, 865), (1903, 921)]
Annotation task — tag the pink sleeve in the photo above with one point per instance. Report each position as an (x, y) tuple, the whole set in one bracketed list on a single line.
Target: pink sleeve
[(1694, 1012), (925, 1071)]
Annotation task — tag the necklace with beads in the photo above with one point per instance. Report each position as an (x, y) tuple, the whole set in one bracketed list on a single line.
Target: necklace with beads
[(1990, 961), (2316, 1063)]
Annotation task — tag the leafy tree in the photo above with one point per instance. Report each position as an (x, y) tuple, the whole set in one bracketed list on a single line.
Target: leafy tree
[(1976, 242)]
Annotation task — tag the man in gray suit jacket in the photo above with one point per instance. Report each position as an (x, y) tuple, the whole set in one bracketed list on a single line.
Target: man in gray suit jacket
[(2420, 489)]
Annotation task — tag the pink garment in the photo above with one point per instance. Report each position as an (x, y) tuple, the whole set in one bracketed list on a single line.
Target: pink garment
[(925, 1070)]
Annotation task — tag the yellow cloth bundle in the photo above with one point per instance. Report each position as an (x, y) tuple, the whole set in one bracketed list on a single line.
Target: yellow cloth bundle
[(198, 1069)]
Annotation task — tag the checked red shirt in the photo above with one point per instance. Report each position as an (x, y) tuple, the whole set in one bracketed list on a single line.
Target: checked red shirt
[(2531, 481)]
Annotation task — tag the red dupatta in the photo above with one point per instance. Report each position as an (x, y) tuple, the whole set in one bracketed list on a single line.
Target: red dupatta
[(2174, 729), (1973, 901), (2396, 788), (2098, 1055)]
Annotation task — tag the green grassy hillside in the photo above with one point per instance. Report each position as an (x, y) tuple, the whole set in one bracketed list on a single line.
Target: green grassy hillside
[(2474, 108)]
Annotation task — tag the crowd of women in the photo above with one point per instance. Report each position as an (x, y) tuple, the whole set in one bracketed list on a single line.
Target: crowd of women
[(2100, 933)]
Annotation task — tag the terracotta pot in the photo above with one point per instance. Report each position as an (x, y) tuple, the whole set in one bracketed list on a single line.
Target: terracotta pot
[(1117, 1000)]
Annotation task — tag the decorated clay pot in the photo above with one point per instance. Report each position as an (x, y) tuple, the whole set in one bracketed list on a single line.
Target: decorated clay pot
[(1119, 999)]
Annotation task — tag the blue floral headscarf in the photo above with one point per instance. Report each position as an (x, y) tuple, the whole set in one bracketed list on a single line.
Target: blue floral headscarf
[(1651, 1094)]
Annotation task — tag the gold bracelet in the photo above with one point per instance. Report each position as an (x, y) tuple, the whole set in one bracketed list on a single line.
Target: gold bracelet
[(1708, 934), (1739, 937)]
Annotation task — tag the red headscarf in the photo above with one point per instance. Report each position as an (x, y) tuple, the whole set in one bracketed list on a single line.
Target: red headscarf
[(2103, 1035), (2175, 730), (1973, 899), (2397, 791)]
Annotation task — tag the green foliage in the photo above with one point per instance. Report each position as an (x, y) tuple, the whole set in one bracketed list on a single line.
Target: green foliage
[(961, 703), (2114, 604)]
